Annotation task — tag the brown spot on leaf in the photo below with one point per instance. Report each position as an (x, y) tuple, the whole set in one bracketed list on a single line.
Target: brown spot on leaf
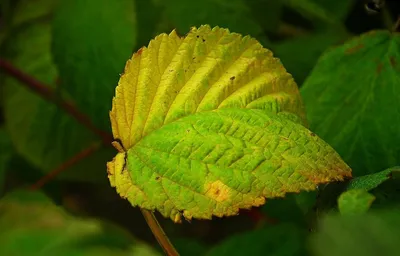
[(232, 78), (354, 49), (393, 62), (217, 190), (312, 134), (158, 177)]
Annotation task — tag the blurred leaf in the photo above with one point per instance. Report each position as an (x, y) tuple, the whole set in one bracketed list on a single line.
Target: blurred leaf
[(148, 14), (28, 11), (41, 132), (30, 224), (328, 11), (232, 14), (355, 201), (352, 100), (91, 42), (189, 247), (267, 13), (372, 181), (371, 234), (387, 194), (300, 54), (292, 208), (6, 151), (282, 240)]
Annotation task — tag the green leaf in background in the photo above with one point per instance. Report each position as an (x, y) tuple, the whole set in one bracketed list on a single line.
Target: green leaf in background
[(329, 11), (41, 132), (300, 54), (232, 14), (30, 224), (282, 240), (352, 100), (371, 181), (91, 42), (6, 151), (370, 234), (355, 201), (189, 247), (149, 15), (292, 208), (267, 13)]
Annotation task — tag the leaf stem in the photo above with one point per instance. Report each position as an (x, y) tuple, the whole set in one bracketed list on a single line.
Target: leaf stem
[(158, 232)]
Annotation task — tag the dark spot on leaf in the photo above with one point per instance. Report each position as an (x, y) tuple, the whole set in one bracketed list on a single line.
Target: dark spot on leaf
[(187, 130), (194, 58), (379, 68), (204, 40), (197, 36), (354, 49), (217, 191), (312, 134), (393, 61), (232, 78), (158, 177)]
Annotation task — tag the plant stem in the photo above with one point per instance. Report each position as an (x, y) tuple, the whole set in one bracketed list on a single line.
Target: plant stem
[(64, 166), (158, 232)]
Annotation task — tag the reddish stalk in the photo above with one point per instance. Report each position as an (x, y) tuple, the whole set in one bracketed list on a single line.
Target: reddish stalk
[(64, 166)]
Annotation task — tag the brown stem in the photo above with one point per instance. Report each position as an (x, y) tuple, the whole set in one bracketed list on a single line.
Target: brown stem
[(158, 232), (70, 162), (47, 93)]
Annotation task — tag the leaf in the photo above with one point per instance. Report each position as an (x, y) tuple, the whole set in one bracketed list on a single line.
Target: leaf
[(355, 201), (282, 240), (41, 132), (91, 41), (329, 11), (374, 233), (267, 13), (30, 224), (180, 155), (6, 152), (371, 181), (352, 101), (26, 11), (233, 14), (291, 209), (189, 246), (300, 54)]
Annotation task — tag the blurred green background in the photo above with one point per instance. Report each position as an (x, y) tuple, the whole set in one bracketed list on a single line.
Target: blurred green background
[(79, 49)]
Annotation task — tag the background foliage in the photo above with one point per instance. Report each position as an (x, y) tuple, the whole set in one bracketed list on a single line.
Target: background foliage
[(349, 79)]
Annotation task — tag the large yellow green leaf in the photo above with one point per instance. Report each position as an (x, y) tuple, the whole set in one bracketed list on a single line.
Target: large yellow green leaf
[(209, 124)]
